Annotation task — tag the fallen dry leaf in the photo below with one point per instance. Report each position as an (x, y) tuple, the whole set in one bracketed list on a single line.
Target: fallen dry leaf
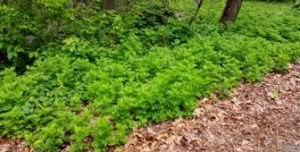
[(257, 117)]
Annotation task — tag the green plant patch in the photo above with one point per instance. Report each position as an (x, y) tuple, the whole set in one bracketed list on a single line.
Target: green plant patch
[(88, 82)]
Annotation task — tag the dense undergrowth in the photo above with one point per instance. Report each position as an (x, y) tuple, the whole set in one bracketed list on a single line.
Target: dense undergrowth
[(92, 76)]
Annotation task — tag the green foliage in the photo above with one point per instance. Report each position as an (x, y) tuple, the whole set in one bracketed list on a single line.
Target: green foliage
[(96, 75)]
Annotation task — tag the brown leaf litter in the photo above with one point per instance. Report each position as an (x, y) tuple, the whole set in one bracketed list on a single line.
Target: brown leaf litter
[(18, 145), (257, 117)]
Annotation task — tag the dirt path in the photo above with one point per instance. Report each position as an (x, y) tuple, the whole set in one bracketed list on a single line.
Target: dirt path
[(260, 117)]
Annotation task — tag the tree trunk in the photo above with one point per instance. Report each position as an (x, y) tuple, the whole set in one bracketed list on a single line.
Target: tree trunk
[(231, 11), (199, 4), (110, 4)]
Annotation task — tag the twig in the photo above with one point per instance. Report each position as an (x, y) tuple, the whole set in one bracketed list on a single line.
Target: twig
[(199, 4)]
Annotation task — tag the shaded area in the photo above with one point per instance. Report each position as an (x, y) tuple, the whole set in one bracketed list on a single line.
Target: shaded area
[(259, 117)]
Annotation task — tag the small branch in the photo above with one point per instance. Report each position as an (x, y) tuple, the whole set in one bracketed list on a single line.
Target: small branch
[(199, 4)]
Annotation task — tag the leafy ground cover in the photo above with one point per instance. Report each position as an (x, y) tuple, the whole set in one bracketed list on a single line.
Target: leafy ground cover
[(89, 81), (243, 122)]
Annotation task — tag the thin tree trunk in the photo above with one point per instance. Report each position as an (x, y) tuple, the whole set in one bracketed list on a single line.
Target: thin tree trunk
[(110, 4), (231, 11), (199, 4)]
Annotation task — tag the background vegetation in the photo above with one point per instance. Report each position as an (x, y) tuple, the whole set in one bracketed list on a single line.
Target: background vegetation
[(75, 74)]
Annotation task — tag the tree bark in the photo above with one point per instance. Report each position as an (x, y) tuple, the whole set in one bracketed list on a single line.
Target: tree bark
[(231, 11), (110, 4)]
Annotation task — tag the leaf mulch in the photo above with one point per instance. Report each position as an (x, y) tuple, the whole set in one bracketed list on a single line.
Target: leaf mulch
[(257, 117), (18, 145)]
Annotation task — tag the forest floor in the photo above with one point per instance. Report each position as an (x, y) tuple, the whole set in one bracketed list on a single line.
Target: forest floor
[(256, 117)]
